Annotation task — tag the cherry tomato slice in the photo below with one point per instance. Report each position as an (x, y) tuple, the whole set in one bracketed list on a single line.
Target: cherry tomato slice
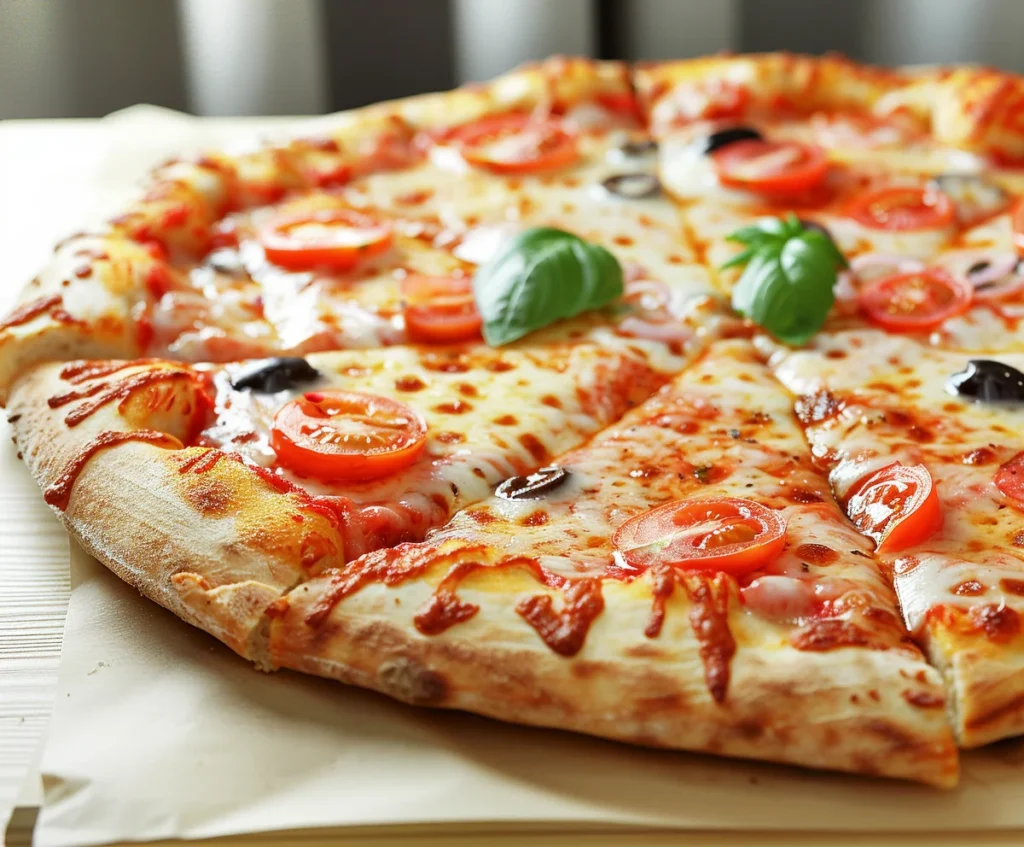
[(440, 309), (897, 506), (915, 302), (346, 435), (902, 209), (727, 534), (771, 167), (516, 143), (1009, 479), (337, 238), (1018, 227)]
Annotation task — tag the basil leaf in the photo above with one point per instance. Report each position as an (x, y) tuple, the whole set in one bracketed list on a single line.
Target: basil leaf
[(786, 284), (542, 276)]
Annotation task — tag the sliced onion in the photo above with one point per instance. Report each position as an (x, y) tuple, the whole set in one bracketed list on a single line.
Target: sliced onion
[(669, 331), (780, 598), (589, 116), (993, 274), (648, 294), (868, 267)]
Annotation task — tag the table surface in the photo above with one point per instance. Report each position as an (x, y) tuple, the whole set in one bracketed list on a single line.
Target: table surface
[(55, 179), (44, 171)]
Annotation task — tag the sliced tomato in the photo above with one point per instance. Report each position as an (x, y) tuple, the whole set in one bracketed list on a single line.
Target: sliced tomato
[(1010, 479), (915, 302), (440, 309), (337, 238), (516, 143), (897, 506), (346, 435), (771, 167), (622, 103), (1018, 227), (727, 534), (902, 209)]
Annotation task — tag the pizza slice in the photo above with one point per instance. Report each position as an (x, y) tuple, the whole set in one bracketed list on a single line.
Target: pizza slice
[(923, 448), (683, 580), (215, 488), (369, 235)]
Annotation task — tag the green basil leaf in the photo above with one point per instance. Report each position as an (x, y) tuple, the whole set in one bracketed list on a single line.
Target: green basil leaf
[(542, 276), (788, 279)]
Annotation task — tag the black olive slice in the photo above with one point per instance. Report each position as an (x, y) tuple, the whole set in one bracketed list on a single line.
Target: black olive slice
[(727, 136), (270, 375), (637, 149), (632, 186), (987, 381), (534, 486)]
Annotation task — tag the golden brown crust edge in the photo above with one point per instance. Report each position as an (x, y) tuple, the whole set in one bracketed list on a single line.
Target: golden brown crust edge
[(985, 678), (976, 109), (857, 710), (215, 547)]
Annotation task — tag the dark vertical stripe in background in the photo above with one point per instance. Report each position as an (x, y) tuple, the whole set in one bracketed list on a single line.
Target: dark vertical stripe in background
[(611, 18), (387, 48)]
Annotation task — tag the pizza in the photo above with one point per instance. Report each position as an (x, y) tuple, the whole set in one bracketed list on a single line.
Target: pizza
[(673, 403)]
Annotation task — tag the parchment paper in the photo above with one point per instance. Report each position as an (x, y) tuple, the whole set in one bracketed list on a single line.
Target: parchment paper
[(161, 732)]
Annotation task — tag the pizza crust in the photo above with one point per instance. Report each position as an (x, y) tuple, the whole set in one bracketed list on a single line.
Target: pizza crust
[(216, 548), (842, 709)]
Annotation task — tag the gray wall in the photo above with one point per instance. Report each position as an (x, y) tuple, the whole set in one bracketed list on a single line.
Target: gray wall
[(70, 58)]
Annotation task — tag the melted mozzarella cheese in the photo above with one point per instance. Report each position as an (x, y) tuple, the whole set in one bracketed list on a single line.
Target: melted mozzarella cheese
[(893, 405), (724, 428), (490, 415)]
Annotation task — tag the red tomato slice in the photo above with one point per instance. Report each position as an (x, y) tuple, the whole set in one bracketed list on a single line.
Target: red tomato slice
[(715, 534), (897, 506), (338, 238), (440, 309), (902, 209), (771, 167), (1010, 479), (516, 143), (915, 302), (346, 435), (1018, 227)]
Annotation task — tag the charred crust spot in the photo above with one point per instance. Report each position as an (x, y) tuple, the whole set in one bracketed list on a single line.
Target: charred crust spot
[(1000, 623), (803, 495), (410, 383), (408, 680), (968, 588), (816, 554), (978, 456), (924, 699), (829, 634), (534, 446), (552, 401), (211, 496)]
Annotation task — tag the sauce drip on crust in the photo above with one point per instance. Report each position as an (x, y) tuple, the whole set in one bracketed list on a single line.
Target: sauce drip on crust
[(58, 494)]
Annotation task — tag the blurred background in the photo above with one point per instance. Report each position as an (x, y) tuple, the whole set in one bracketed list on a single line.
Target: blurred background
[(85, 58)]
